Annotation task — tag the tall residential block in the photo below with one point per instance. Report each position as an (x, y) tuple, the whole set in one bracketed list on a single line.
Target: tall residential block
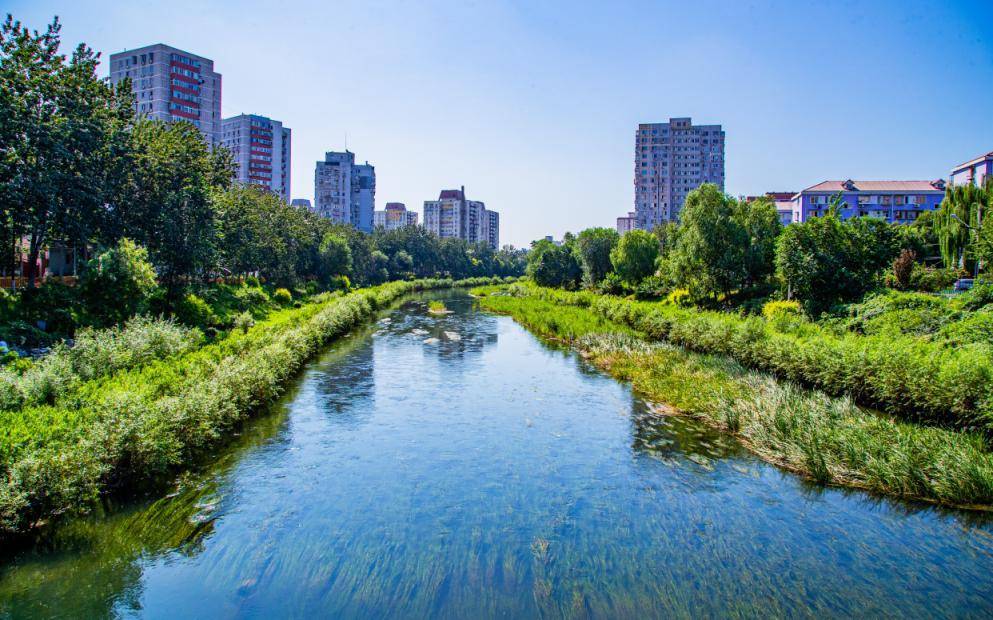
[(261, 150), (394, 216), (974, 171), (452, 216), (671, 160), (345, 192), (626, 224), (172, 85)]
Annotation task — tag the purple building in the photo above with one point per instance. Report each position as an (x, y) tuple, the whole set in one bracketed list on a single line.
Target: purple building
[(973, 171), (893, 201)]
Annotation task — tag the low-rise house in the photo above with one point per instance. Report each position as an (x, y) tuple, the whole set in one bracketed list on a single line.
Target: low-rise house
[(893, 201)]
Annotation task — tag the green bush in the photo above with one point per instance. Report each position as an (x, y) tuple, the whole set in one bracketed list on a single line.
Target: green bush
[(339, 283), (979, 296), (244, 322), (253, 282), (931, 279), (194, 311), (282, 297), (117, 284), (774, 309), (251, 297)]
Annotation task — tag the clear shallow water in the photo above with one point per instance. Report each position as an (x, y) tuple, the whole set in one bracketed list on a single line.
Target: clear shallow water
[(494, 476)]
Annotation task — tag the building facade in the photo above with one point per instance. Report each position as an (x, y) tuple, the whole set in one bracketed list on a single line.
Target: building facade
[(974, 171), (345, 192), (301, 202), (894, 201), (671, 160), (452, 216), (394, 216), (172, 85), (626, 223), (261, 150)]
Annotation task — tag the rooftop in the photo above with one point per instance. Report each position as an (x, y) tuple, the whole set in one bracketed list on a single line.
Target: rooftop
[(975, 159), (878, 186), (451, 194)]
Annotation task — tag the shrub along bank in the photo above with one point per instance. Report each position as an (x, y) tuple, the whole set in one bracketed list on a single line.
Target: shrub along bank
[(141, 422), (830, 440), (918, 379)]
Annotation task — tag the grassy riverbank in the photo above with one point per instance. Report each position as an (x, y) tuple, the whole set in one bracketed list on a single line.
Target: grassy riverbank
[(918, 379), (136, 424), (829, 439)]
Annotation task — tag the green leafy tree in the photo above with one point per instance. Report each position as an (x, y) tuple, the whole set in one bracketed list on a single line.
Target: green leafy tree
[(712, 251), (166, 203), (335, 257), (117, 284), (61, 129), (555, 265), (760, 221), (954, 221), (634, 256), (593, 247)]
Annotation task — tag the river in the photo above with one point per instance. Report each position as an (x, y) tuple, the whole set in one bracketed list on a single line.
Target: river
[(456, 466)]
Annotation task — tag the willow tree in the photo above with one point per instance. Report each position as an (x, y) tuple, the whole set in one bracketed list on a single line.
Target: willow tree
[(959, 213)]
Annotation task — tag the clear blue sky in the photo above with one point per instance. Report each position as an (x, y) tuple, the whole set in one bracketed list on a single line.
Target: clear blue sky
[(533, 106)]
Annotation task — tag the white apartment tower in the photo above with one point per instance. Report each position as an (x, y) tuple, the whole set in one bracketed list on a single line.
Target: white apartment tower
[(345, 192), (172, 85), (452, 216), (261, 150), (670, 160), (394, 216)]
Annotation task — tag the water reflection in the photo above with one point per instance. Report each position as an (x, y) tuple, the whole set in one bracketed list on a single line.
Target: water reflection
[(490, 475)]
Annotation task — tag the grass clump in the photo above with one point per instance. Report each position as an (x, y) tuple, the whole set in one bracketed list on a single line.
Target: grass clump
[(830, 440), (437, 307)]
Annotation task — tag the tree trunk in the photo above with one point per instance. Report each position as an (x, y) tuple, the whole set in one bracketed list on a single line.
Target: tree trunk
[(33, 251)]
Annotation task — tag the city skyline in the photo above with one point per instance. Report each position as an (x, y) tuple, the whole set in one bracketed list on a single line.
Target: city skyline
[(539, 121)]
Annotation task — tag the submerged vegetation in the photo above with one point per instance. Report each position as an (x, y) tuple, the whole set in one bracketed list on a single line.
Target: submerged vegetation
[(162, 408), (828, 439)]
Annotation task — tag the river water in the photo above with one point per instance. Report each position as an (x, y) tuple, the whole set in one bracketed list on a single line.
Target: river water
[(456, 466)]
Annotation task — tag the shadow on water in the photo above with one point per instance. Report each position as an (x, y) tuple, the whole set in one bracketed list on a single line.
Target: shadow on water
[(454, 466)]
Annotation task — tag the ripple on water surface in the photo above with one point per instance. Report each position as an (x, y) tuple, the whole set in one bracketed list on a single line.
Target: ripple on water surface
[(452, 465)]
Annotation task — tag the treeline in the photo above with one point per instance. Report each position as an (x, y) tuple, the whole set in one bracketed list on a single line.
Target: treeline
[(80, 170), (726, 252)]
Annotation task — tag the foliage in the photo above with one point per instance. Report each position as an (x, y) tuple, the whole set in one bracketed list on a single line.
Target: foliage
[(194, 311), (959, 211), (244, 322), (282, 297), (903, 269), (117, 284), (634, 256), (593, 248), (777, 308), (553, 265)]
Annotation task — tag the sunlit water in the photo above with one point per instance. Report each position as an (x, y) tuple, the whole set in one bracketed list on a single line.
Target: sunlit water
[(486, 474)]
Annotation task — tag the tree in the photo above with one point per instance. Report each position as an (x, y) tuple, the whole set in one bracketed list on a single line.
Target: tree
[(761, 222), (335, 257), (593, 247), (959, 212), (553, 265), (60, 129), (824, 261), (634, 256), (166, 202), (117, 284), (711, 253)]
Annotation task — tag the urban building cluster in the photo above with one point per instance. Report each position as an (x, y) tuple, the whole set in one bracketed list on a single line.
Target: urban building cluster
[(672, 159), (172, 85)]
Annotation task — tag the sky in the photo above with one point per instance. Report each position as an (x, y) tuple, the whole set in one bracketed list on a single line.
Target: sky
[(533, 106)]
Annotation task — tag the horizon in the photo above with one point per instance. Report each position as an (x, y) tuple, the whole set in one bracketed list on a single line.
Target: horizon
[(418, 93)]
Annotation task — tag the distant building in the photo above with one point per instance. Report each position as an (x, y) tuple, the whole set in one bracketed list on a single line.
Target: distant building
[(626, 223), (345, 192), (671, 160), (261, 150), (394, 216), (785, 206), (301, 202), (893, 201), (974, 171), (172, 85), (452, 216)]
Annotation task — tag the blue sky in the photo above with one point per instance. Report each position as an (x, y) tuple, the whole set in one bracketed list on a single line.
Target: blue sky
[(533, 105)]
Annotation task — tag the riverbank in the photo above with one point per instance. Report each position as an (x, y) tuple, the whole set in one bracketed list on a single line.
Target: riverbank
[(135, 425), (829, 440)]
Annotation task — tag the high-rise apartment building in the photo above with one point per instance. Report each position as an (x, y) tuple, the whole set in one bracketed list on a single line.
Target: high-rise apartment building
[(394, 216), (344, 191), (452, 216), (626, 223), (670, 160), (172, 85), (261, 150)]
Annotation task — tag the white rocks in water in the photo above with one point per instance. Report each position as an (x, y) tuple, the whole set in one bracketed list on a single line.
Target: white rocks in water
[(431, 341), (453, 336), (417, 331), (386, 320)]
